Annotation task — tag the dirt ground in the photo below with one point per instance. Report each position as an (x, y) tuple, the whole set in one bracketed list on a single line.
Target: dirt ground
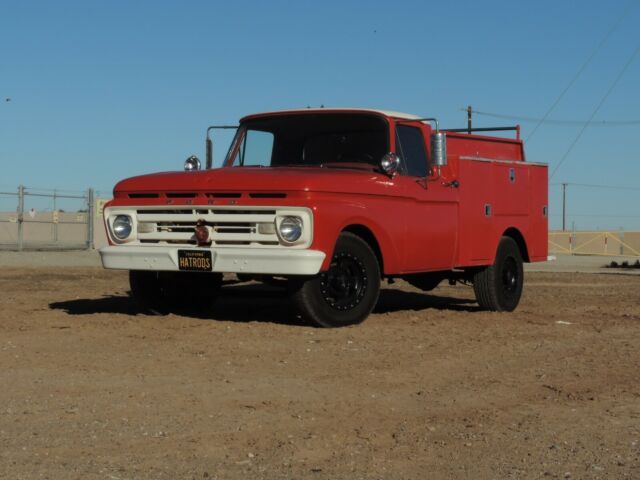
[(427, 387)]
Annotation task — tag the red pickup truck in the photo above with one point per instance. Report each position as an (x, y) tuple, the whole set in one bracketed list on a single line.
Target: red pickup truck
[(333, 201)]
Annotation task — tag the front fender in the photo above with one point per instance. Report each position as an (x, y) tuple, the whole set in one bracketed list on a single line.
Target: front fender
[(377, 215)]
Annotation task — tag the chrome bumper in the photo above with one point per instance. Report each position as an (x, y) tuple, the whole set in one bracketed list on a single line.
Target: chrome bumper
[(230, 260)]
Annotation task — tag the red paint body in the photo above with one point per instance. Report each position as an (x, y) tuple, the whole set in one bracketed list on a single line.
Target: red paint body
[(419, 224)]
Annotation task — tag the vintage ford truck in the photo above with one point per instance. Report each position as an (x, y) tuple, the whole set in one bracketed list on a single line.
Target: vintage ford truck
[(330, 202)]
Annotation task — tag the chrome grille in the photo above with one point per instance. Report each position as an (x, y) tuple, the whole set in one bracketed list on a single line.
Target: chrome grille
[(227, 226)]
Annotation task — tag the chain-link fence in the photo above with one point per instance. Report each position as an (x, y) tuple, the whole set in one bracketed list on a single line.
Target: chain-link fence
[(605, 243), (40, 219)]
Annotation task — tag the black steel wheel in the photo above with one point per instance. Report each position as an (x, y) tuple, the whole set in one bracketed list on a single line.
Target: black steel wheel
[(159, 293), (347, 292), (498, 287)]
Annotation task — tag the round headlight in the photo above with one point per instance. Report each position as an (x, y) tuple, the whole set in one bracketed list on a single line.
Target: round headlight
[(290, 229), (122, 226)]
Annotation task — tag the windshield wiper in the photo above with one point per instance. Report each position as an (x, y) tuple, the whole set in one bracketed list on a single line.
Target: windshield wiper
[(342, 165), (301, 165), (349, 165)]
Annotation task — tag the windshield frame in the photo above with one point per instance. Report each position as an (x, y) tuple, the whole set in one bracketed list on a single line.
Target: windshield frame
[(240, 136)]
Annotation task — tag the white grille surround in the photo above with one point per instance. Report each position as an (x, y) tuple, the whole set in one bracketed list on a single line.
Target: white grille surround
[(229, 226)]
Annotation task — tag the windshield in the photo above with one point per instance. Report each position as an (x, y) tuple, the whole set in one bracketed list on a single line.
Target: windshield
[(338, 140)]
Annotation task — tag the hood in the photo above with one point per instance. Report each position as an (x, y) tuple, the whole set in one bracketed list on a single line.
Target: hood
[(304, 179)]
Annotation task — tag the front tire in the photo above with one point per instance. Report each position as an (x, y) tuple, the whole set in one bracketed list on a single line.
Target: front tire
[(347, 292), (159, 293), (498, 287)]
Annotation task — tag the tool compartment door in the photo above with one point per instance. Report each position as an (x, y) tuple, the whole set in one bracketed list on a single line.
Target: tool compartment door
[(510, 188), (476, 204)]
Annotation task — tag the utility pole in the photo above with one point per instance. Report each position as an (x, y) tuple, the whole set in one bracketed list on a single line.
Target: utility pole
[(20, 217), (564, 206)]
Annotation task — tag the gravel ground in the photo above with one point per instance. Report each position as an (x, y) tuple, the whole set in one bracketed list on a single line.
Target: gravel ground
[(427, 387)]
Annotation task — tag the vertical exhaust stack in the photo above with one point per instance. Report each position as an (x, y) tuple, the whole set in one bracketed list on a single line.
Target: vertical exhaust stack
[(439, 148), (438, 145)]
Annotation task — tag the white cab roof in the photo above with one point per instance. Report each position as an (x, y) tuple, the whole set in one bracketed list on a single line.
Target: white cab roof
[(388, 113)]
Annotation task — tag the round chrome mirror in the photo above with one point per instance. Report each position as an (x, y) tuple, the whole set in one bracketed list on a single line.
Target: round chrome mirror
[(390, 163), (191, 164)]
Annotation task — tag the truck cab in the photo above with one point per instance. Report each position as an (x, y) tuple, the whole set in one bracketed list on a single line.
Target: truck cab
[(333, 201)]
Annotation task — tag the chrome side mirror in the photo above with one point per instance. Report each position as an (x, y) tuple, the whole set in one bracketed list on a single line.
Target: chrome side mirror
[(439, 149), (390, 163), (191, 164)]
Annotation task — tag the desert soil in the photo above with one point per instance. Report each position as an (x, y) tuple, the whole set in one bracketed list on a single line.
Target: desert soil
[(428, 387)]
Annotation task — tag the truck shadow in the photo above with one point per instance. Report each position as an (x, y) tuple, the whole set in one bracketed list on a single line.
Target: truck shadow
[(392, 300), (263, 303)]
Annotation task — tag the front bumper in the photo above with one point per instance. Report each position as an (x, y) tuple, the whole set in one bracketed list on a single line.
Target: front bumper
[(229, 260)]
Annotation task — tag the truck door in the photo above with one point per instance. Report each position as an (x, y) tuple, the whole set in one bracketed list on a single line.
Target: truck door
[(431, 206)]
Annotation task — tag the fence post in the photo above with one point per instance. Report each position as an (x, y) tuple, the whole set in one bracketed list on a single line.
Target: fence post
[(53, 216), (90, 218), (621, 241), (20, 217)]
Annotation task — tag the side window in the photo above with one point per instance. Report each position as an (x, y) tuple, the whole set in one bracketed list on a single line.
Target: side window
[(410, 148), (257, 149)]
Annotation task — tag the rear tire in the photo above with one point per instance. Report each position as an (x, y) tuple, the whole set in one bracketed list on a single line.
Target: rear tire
[(347, 292), (498, 287), (159, 293)]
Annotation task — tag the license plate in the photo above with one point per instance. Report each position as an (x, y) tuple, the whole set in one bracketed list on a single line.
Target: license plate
[(195, 260)]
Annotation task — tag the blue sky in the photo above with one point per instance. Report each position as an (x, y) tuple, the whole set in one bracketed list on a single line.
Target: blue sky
[(102, 90)]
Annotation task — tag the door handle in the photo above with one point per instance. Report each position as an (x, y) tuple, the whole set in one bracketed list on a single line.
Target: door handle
[(452, 184)]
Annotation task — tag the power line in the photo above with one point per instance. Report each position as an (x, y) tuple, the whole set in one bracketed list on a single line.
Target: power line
[(596, 110), (599, 215), (582, 68), (590, 185), (519, 118)]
